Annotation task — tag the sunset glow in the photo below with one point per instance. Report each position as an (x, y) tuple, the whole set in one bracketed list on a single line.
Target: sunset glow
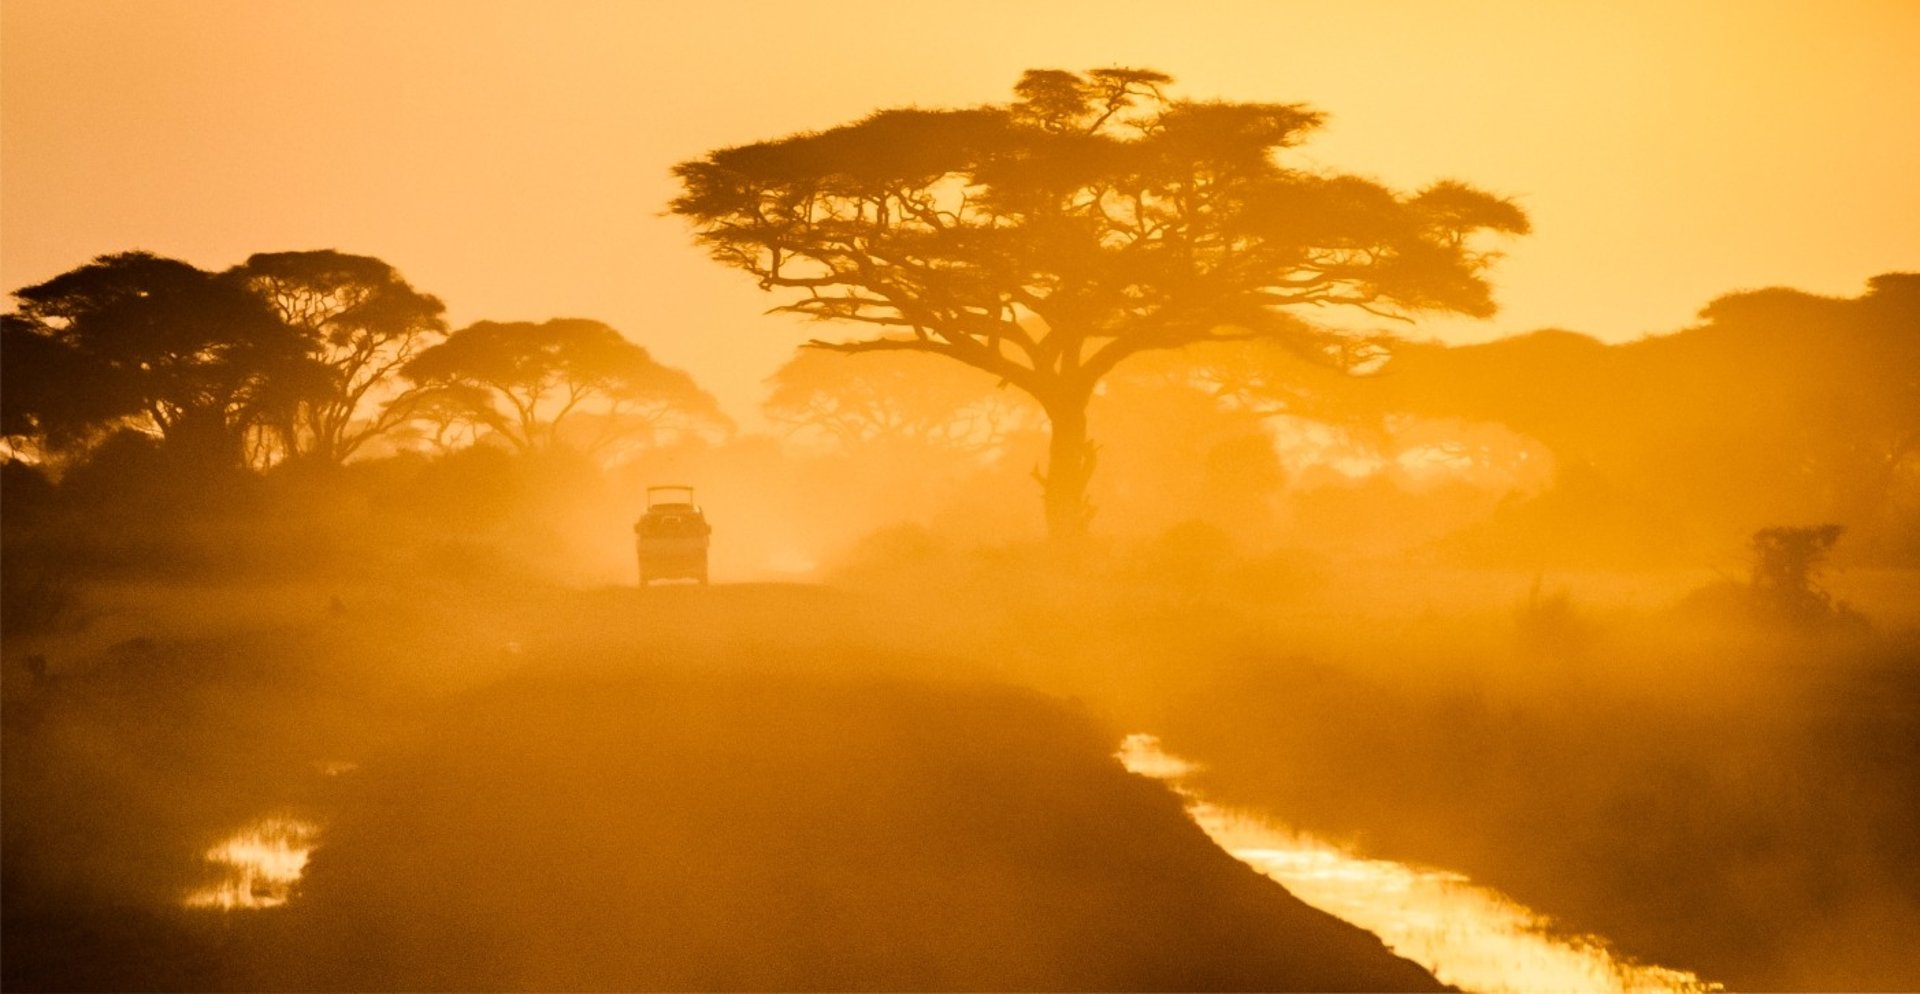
[(514, 157), (608, 495)]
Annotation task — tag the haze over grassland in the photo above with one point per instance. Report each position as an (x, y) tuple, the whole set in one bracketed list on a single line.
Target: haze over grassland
[(1126, 408)]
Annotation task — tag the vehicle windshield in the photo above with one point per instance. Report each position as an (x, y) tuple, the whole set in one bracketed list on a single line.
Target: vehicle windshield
[(669, 496)]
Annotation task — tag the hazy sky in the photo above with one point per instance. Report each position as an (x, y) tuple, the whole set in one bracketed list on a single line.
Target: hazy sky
[(513, 157)]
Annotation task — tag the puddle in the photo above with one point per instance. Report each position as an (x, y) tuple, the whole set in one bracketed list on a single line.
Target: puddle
[(258, 866)]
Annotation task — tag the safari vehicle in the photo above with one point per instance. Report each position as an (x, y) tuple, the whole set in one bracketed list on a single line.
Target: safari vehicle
[(671, 538)]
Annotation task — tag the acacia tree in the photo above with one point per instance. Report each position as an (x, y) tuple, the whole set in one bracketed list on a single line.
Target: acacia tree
[(888, 398), (37, 415), (136, 340), (525, 382), (363, 322), (1093, 218), (442, 415)]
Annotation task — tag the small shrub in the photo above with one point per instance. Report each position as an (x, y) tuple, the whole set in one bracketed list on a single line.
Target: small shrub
[(1786, 572)]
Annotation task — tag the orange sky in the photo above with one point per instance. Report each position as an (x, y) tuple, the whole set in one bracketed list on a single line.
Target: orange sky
[(512, 157)]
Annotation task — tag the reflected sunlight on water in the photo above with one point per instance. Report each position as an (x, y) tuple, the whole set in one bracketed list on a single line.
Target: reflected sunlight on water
[(1467, 935), (259, 865)]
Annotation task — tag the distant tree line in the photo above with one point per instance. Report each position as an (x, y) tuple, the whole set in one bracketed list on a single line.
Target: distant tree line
[(1092, 258), (1776, 409), (311, 357)]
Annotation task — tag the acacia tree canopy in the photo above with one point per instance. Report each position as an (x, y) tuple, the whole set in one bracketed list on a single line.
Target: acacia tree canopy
[(895, 397), (137, 339), (362, 321), (36, 410), (524, 381), (1045, 240)]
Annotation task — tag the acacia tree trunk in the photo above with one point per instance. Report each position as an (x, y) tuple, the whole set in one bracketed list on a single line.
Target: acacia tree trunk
[(1070, 459)]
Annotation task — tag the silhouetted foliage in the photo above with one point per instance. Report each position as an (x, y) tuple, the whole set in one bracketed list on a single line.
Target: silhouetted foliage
[(894, 397), (35, 412), (524, 381), (154, 343), (1786, 565), (1778, 405), (1046, 240), (363, 322), (1173, 453), (442, 414)]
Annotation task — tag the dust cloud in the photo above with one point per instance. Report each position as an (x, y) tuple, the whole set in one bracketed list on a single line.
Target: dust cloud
[(1629, 633)]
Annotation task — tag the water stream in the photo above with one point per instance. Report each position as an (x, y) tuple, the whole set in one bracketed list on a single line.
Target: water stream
[(257, 866), (1470, 936)]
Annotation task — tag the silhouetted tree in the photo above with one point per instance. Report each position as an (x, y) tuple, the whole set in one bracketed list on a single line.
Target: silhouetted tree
[(152, 343), (524, 381), (32, 366), (1180, 451), (1778, 404), (363, 322), (895, 397), (1819, 394), (1786, 572), (1093, 218), (442, 415)]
